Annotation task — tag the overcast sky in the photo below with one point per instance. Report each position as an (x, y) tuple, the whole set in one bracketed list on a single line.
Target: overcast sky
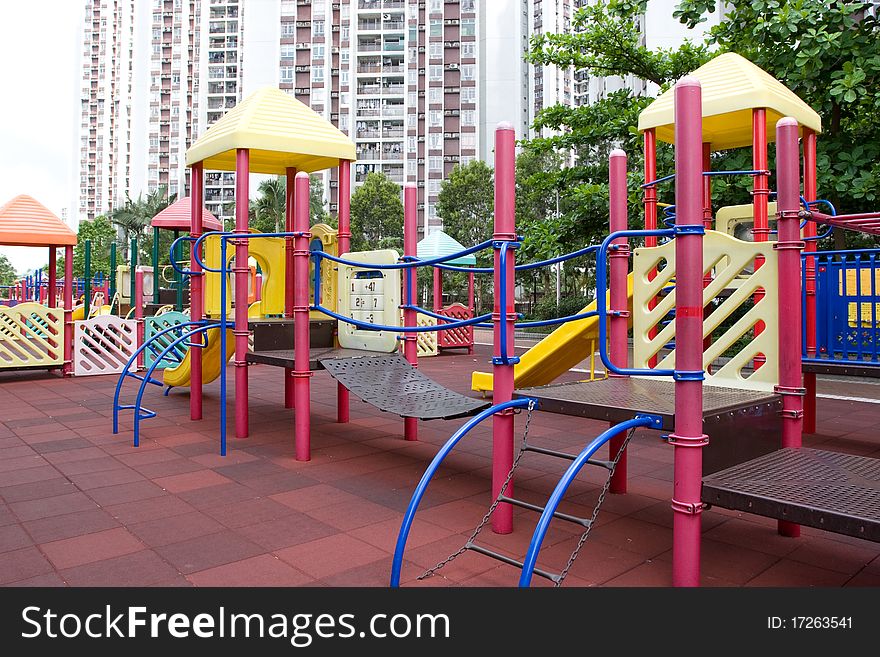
[(40, 44)]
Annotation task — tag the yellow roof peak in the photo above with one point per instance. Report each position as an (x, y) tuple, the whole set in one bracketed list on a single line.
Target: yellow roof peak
[(732, 87), (279, 131)]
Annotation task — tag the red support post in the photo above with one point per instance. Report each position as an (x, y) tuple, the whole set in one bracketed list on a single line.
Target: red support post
[(789, 246), (410, 340), (139, 311), (619, 268), (196, 289), (258, 287), (343, 237), (760, 196), (438, 290), (301, 371), (505, 230), (688, 439), (471, 307), (810, 193), (53, 278), (67, 368), (290, 202), (650, 202), (241, 273), (707, 224)]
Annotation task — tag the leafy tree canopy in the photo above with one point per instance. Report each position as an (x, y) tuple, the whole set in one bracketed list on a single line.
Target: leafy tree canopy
[(377, 214)]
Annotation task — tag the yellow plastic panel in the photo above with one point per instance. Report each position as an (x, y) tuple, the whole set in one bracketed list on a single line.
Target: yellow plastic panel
[(268, 252), (329, 244), (32, 335), (729, 258), (732, 88), (369, 295)]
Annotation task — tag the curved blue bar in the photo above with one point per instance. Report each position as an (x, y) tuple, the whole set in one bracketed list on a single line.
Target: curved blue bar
[(398, 329), (601, 290), (556, 497), (502, 301), (558, 320), (409, 264), (438, 316), (522, 267), (419, 492)]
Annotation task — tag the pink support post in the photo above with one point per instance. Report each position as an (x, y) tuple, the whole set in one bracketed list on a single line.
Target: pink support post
[(67, 369), (410, 340), (470, 306), (290, 196), (139, 310), (343, 237), (53, 278), (196, 287), (505, 230), (789, 246), (688, 438), (650, 202), (619, 268), (438, 290), (241, 273), (760, 200), (301, 371), (258, 287), (811, 193)]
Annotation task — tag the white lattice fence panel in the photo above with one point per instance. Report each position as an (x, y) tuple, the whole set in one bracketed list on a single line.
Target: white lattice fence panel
[(31, 335), (103, 345)]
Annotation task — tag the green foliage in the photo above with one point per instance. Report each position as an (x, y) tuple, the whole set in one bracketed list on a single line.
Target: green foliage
[(466, 204), (8, 275), (377, 215), (134, 217), (102, 234), (267, 212)]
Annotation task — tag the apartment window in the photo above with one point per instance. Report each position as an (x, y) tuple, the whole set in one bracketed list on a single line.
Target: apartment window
[(288, 29), (468, 117), (435, 72), (468, 49), (410, 168), (412, 98), (434, 95), (467, 6), (286, 73), (345, 33), (467, 159), (434, 186), (344, 98), (319, 95), (412, 76), (435, 141), (436, 25), (432, 211), (468, 27), (288, 51), (411, 120), (317, 51), (288, 7), (343, 122), (343, 77), (436, 49), (468, 94), (411, 144), (468, 140), (318, 28), (435, 163), (436, 5), (317, 73), (344, 57), (435, 118), (413, 33), (467, 71), (344, 11)]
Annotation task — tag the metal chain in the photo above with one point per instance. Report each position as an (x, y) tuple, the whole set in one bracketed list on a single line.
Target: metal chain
[(574, 555), (495, 504)]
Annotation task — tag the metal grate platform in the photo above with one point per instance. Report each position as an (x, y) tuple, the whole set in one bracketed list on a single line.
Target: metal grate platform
[(836, 492), (617, 399), (284, 357), (391, 384)]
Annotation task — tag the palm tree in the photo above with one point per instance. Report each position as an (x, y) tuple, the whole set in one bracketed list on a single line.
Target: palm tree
[(134, 216), (267, 210)]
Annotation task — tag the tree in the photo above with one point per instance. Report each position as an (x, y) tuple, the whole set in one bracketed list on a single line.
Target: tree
[(377, 214), (8, 275), (133, 217), (102, 234), (465, 204), (267, 211)]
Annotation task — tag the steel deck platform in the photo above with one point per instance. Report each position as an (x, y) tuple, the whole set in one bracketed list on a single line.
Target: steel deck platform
[(617, 399), (284, 357), (836, 492)]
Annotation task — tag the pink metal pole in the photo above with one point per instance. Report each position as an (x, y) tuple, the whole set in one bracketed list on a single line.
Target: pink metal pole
[(241, 273), (619, 267), (471, 306), (789, 246), (196, 289), (258, 287), (343, 237), (688, 438), (438, 290), (301, 371), (53, 278), (290, 195), (139, 310), (811, 193), (760, 196), (505, 230), (410, 340), (650, 202), (67, 369)]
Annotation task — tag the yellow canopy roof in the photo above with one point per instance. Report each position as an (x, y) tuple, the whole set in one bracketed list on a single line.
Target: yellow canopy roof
[(279, 131), (732, 88)]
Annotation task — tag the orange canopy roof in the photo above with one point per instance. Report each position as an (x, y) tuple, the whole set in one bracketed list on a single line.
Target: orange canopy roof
[(24, 221), (177, 217)]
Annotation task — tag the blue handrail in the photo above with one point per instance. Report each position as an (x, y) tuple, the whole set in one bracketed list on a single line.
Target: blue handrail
[(556, 497), (408, 263), (525, 266), (419, 492)]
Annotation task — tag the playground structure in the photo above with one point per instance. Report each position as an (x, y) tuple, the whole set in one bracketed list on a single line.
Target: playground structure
[(751, 405)]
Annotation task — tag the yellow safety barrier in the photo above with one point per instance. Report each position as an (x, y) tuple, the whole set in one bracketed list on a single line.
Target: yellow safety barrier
[(32, 336), (730, 259)]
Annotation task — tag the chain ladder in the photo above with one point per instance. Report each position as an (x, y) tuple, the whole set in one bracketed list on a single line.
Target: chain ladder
[(476, 532), (574, 555)]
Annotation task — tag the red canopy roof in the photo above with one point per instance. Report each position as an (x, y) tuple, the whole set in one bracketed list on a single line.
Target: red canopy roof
[(177, 217), (24, 221)]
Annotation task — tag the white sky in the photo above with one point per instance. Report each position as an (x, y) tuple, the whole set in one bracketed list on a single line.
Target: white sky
[(40, 44)]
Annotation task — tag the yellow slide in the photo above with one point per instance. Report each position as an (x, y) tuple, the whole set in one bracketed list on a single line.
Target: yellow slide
[(78, 313), (557, 353)]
